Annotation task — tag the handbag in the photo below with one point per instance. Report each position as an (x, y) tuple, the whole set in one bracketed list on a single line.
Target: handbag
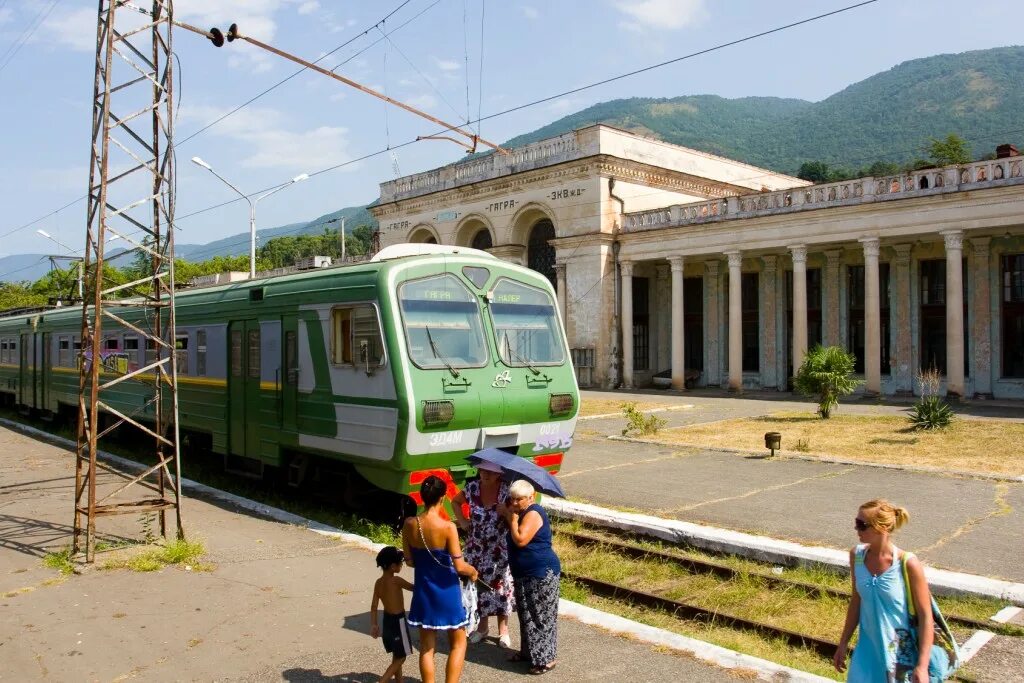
[(467, 588), (945, 654)]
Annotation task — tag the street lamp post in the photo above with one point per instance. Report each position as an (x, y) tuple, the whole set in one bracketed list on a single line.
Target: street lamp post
[(70, 256), (252, 207)]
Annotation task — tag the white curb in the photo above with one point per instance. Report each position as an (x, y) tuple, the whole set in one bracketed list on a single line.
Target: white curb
[(720, 656), (974, 644), (766, 549)]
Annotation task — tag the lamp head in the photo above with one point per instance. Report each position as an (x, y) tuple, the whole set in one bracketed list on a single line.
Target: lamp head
[(199, 162), (44, 234), (300, 178)]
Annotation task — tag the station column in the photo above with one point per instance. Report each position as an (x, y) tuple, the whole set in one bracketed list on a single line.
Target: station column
[(799, 253), (954, 312), (873, 319), (678, 362), (626, 310), (735, 321)]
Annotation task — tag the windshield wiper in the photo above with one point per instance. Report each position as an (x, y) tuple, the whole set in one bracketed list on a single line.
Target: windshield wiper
[(439, 355), (508, 345)]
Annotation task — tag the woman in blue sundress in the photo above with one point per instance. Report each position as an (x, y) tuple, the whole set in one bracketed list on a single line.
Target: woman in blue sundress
[(431, 546), (878, 605)]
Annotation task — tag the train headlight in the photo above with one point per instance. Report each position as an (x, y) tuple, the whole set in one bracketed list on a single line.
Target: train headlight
[(438, 412), (560, 403)]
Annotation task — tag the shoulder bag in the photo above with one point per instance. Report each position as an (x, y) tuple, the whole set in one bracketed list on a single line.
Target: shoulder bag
[(945, 655), (466, 587)]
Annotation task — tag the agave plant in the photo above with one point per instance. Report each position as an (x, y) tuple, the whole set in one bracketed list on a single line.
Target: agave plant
[(827, 372)]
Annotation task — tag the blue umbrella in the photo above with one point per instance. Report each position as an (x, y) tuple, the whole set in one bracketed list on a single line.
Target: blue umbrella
[(515, 467)]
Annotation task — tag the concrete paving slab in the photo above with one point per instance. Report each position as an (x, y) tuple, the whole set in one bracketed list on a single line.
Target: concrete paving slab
[(281, 602)]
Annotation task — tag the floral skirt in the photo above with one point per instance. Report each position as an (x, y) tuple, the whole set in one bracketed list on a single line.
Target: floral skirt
[(537, 605)]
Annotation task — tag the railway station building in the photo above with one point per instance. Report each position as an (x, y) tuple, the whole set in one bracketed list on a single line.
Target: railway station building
[(680, 268)]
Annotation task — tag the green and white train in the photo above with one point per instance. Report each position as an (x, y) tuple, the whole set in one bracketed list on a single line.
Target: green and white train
[(364, 378)]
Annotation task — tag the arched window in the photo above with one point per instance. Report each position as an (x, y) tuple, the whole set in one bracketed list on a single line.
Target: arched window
[(540, 254), (482, 239), (923, 184)]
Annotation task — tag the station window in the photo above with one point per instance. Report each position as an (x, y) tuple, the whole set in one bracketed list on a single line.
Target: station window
[(181, 353), (933, 315), (201, 353), (356, 338), (751, 326), (1013, 315)]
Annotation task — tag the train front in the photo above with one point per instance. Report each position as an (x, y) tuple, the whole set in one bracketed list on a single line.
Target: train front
[(485, 364)]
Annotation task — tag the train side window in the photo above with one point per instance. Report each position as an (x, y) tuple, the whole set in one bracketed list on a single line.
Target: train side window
[(254, 354), (111, 344), (201, 353), (76, 352), (366, 337), (131, 347), (181, 353), (341, 338), (291, 359), (356, 339), (64, 352), (236, 353), (3, 351)]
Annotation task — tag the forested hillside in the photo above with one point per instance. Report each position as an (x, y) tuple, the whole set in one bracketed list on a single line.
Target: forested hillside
[(887, 117)]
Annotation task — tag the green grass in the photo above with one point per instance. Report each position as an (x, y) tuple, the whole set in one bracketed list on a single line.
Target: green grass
[(151, 559), (60, 560)]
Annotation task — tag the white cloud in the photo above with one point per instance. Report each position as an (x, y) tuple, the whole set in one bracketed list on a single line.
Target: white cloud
[(530, 12), (662, 14), (6, 15), (309, 7), (270, 143), (425, 101), (446, 64)]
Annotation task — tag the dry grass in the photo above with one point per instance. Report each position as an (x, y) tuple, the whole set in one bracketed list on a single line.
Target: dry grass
[(607, 406), (967, 445)]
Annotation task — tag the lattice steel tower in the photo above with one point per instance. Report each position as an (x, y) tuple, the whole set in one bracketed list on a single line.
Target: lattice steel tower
[(131, 198)]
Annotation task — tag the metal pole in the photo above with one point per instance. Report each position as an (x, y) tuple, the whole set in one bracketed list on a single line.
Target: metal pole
[(252, 240), (342, 240)]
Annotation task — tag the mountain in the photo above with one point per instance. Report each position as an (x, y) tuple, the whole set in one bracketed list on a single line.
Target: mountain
[(23, 267), (887, 117), (238, 244)]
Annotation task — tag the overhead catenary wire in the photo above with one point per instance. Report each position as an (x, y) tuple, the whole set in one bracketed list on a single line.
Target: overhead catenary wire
[(26, 35)]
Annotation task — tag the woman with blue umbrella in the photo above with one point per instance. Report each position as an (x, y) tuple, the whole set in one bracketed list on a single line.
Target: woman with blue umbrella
[(535, 574)]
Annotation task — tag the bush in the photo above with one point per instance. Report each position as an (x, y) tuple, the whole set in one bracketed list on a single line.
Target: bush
[(827, 372), (931, 412), (638, 423)]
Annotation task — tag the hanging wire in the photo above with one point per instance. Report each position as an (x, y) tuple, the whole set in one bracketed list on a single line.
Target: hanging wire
[(480, 83), (465, 50)]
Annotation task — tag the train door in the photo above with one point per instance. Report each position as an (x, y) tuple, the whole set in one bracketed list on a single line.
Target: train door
[(244, 388), (289, 383), (25, 372), (43, 376)]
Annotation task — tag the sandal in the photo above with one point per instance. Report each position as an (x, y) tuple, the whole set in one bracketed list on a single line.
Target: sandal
[(538, 670)]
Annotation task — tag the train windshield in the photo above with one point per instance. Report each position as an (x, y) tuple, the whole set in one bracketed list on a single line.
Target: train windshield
[(442, 322), (525, 325)]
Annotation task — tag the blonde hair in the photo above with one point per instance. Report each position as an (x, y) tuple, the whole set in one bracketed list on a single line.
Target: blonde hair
[(883, 515), (521, 489)]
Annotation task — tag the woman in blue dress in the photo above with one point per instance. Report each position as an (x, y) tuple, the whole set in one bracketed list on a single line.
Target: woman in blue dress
[(878, 606), (431, 546)]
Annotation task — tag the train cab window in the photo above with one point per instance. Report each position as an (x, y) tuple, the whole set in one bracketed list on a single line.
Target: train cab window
[(201, 353), (64, 352), (525, 322), (356, 338), (181, 353), (443, 326)]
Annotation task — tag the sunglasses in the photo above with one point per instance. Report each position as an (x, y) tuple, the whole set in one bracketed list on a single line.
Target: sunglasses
[(860, 525)]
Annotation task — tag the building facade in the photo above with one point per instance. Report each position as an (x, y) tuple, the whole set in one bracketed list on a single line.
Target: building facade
[(681, 267)]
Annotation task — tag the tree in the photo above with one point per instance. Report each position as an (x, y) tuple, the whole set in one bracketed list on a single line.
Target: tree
[(827, 372), (953, 150), (20, 295), (814, 171)]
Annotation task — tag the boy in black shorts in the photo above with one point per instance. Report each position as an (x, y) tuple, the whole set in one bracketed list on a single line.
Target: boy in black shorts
[(388, 589)]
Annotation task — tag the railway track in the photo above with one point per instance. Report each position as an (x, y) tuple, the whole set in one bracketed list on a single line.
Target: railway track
[(725, 572)]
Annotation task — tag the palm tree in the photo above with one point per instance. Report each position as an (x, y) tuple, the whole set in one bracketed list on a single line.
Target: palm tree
[(827, 372)]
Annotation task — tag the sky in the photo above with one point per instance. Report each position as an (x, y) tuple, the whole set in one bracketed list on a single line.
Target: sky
[(455, 59)]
